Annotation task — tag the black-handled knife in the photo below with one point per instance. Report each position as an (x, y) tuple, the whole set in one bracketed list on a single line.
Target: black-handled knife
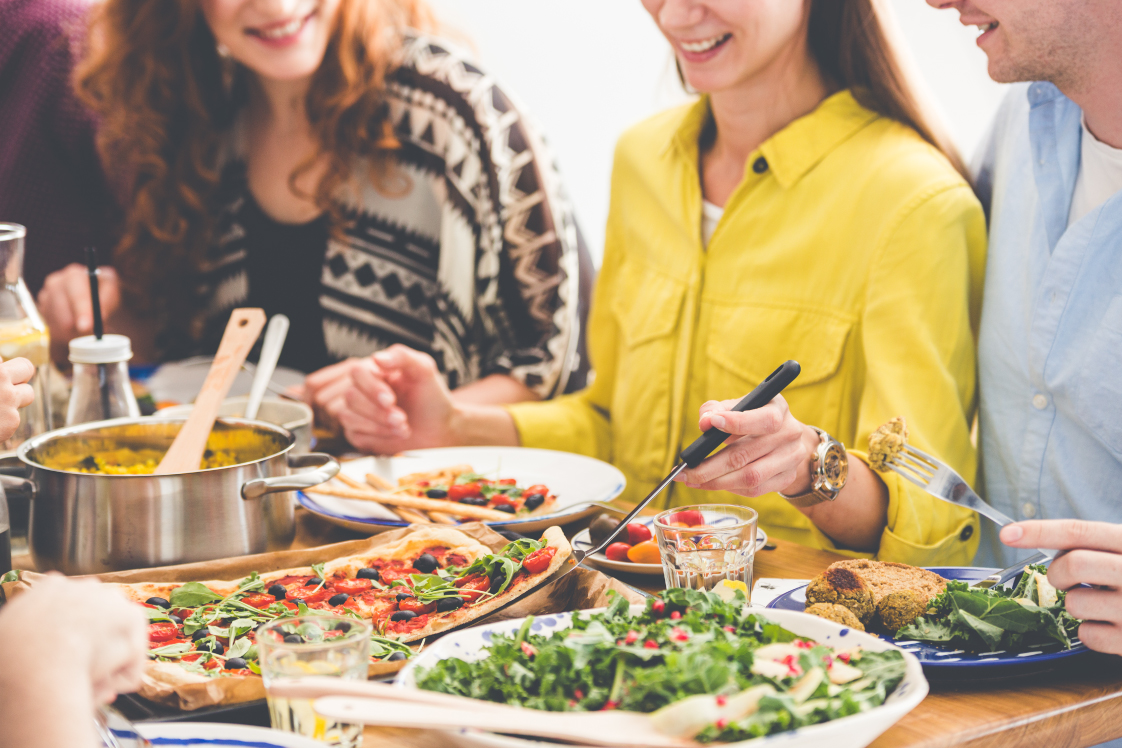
[(703, 446)]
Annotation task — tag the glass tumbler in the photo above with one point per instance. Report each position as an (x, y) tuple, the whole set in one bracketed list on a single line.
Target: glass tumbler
[(319, 645), (704, 545)]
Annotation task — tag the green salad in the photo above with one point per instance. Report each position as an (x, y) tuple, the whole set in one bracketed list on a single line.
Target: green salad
[(701, 663), (994, 619)]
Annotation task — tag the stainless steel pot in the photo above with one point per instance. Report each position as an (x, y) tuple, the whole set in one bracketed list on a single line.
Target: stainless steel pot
[(85, 523)]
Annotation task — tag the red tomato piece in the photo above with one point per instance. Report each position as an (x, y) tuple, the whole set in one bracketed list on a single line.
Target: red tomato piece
[(392, 575), (507, 482), (401, 627), (538, 561), (464, 491), (351, 586), (162, 632), (212, 664), (617, 551), (473, 587), (191, 657), (501, 498), (638, 533), (691, 518), (536, 488), (259, 600), (455, 559), (415, 605), (169, 642)]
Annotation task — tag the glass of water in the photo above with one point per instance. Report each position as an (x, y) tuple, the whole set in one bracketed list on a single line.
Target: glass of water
[(704, 545), (313, 645)]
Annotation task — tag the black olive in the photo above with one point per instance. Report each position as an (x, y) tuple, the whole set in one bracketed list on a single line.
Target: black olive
[(210, 646), (297, 600), (370, 573), (293, 639), (403, 615), (449, 603), (235, 663), (200, 635), (396, 657), (436, 493), (278, 591), (404, 596), (475, 500), (339, 599), (425, 564), (313, 582), (176, 620), (508, 508), (159, 602), (533, 501), (343, 626), (497, 581)]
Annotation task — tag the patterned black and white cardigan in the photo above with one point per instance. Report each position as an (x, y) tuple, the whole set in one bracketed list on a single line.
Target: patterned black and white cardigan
[(472, 255)]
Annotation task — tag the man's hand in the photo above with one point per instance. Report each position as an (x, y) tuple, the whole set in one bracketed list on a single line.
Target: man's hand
[(15, 393), (1091, 553), (66, 305)]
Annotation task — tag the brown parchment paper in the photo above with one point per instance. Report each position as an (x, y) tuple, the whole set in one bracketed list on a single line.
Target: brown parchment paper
[(173, 687)]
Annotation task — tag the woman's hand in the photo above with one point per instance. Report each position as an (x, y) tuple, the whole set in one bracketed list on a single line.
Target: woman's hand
[(397, 400), (15, 393), (768, 450), (325, 391), (66, 305), (1091, 554)]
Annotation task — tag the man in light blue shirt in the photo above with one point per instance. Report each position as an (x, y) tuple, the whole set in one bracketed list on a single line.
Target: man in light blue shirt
[(1050, 346)]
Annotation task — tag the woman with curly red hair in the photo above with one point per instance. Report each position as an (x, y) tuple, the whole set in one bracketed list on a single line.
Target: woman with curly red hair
[(328, 160)]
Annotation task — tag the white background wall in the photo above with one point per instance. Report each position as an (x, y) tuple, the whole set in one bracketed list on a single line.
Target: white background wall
[(587, 69)]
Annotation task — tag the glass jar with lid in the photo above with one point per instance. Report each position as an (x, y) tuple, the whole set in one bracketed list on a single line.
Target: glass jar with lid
[(101, 389)]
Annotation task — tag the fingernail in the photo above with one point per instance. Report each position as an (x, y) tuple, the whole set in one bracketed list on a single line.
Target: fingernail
[(385, 399), (1012, 533), (397, 419), (718, 421)]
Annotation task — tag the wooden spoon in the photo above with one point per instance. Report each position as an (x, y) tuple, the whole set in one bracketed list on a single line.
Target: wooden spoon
[(187, 450), (388, 706)]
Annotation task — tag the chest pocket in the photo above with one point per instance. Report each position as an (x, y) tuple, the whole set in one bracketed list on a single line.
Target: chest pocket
[(747, 342), (1096, 384), (647, 307)]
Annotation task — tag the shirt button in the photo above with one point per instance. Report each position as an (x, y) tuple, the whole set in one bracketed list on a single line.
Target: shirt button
[(1029, 510), (759, 165), (1040, 402)]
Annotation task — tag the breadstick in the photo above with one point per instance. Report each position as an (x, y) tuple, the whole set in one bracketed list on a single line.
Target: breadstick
[(348, 480), (377, 482), (411, 515), (411, 502), (443, 518)]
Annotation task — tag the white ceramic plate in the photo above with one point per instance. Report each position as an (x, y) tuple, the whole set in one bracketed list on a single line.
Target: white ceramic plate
[(582, 542), (215, 735), (575, 480), (855, 731)]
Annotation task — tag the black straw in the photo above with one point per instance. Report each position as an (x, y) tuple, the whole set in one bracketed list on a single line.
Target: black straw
[(95, 299)]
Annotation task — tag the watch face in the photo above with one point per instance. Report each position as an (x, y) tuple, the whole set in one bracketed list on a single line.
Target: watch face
[(835, 466)]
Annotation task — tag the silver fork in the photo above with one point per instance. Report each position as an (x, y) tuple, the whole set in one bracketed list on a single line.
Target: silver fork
[(941, 482)]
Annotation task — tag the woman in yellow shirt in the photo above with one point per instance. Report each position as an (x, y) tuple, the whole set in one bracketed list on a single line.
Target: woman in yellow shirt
[(802, 208)]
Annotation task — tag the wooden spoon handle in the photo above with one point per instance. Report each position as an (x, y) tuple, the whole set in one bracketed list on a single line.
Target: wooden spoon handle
[(187, 450)]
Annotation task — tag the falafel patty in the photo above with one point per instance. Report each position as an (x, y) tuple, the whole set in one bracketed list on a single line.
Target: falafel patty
[(836, 613), (842, 587), (897, 609)]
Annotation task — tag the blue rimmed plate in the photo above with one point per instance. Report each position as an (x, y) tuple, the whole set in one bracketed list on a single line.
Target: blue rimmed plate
[(943, 663), (215, 735), (582, 541), (577, 481)]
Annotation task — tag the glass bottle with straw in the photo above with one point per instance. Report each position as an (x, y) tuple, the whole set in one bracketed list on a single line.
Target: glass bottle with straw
[(101, 389)]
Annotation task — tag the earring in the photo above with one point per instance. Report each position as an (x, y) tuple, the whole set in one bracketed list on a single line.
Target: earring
[(223, 51)]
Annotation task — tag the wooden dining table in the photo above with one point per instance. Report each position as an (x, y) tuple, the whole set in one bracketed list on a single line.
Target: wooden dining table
[(1078, 704)]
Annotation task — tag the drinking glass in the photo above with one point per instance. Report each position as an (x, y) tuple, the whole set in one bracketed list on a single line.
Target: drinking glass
[(310, 645), (706, 544)]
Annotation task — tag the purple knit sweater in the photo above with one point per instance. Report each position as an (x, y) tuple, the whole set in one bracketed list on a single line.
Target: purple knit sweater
[(50, 177)]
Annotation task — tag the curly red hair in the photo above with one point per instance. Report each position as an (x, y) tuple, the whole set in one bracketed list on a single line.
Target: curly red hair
[(166, 99)]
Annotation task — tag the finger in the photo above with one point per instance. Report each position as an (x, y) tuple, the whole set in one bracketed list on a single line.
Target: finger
[(356, 427), (336, 389), (108, 290), (411, 364), (759, 422), (372, 383), (18, 370), (329, 374), (81, 304), (1063, 534), (55, 307), (360, 405), (742, 452), (24, 394), (1102, 637), (770, 472), (1086, 567), (1092, 604)]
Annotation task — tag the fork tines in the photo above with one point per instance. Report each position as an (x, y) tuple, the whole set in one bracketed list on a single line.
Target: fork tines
[(916, 466)]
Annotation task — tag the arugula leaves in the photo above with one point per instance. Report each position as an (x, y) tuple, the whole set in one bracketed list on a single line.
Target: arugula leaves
[(505, 563), (994, 619), (646, 661), (191, 595)]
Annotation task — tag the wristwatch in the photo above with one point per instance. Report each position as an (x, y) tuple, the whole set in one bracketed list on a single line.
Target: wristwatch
[(829, 468)]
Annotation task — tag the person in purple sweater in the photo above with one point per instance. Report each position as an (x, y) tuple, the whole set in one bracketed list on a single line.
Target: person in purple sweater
[(51, 180)]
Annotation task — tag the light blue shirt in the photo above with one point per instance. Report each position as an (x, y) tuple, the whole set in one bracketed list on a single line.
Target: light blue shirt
[(1050, 348)]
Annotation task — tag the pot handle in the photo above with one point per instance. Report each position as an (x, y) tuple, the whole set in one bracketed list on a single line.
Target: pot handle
[(18, 486), (327, 466)]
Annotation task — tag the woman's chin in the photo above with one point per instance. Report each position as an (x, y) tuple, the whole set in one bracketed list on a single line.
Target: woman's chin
[(292, 67)]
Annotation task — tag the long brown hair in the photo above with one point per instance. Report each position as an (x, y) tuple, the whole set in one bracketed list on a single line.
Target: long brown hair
[(166, 99), (853, 43)]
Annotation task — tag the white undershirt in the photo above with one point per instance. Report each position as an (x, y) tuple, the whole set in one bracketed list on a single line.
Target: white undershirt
[(710, 217), (1100, 176)]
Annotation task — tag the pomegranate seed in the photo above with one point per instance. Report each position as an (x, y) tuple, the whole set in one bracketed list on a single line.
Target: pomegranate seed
[(632, 637), (675, 615), (722, 723), (648, 644), (578, 693), (730, 629), (610, 706), (844, 657), (658, 606), (680, 635), (722, 700)]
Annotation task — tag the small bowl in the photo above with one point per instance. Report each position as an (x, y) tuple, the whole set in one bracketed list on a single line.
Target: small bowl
[(294, 416)]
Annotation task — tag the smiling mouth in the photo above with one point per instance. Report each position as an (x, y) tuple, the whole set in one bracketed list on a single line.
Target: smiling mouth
[(705, 45), (281, 31), (984, 27)]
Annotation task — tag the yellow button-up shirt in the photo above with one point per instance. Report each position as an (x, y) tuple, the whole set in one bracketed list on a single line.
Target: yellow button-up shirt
[(851, 246)]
